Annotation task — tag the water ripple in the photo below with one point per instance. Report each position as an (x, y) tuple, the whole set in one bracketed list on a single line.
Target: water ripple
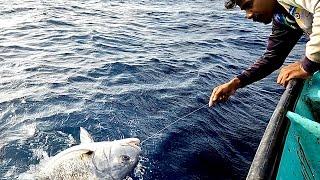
[(128, 69)]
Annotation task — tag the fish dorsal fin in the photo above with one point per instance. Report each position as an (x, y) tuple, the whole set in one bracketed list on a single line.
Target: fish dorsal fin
[(85, 137)]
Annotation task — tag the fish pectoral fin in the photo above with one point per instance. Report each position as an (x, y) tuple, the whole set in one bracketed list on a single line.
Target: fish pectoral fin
[(85, 137)]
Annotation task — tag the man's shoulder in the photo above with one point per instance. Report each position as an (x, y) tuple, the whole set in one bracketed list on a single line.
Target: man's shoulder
[(283, 19), (308, 5), (301, 10)]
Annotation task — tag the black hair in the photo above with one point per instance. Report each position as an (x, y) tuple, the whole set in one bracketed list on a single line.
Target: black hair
[(229, 4)]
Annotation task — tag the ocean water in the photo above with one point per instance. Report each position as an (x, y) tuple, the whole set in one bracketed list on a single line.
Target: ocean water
[(128, 69)]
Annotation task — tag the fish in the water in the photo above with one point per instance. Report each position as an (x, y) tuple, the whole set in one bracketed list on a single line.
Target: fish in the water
[(93, 160)]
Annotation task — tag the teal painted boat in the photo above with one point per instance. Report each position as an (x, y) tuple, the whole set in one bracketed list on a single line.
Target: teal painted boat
[(290, 146), (301, 155)]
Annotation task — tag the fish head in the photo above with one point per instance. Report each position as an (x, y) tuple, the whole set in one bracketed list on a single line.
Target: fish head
[(117, 158)]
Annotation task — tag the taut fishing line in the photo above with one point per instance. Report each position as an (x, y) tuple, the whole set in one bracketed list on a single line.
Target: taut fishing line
[(172, 123)]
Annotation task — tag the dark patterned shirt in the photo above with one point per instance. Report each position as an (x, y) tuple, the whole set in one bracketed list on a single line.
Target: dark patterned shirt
[(285, 34)]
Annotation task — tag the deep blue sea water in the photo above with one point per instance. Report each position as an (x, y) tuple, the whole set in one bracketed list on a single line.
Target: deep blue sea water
[(128, 69)]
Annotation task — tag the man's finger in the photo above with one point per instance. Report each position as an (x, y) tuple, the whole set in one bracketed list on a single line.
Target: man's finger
[(284, 79), (280, 77), (212, 96), (290, 76), (224, 98), (216, 95)]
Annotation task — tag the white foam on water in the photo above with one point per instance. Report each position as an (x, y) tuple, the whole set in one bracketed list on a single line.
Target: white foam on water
[(43, 157), (128, 178), (140, 169), (40, 154), (10, 172), (70, 139), (20, 133)]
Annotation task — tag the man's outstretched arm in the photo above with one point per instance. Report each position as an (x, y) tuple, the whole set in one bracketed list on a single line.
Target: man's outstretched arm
[(280, 43)]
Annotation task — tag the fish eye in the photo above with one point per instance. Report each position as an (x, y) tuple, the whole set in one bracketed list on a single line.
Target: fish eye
[(89, 153), (125, 158)]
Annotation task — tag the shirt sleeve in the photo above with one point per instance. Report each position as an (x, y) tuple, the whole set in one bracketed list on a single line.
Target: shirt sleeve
[(280, 43), (311, 62)]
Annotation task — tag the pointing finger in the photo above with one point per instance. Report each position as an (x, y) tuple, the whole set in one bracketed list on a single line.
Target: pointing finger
[(218, 95), (212, 96)]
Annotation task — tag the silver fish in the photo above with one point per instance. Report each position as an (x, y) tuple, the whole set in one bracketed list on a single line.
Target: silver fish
[(93, 160)]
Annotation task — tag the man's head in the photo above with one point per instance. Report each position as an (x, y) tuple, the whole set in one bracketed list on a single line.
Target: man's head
[(257, 10)]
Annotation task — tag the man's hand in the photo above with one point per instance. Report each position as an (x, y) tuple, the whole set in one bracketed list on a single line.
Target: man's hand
[(292, 71), (224, 91)]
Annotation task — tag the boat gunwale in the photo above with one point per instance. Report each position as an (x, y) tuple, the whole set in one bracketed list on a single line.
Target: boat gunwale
[(268, 154)]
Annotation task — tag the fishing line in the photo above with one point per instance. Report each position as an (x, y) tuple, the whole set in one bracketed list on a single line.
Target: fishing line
[(173, 123)]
